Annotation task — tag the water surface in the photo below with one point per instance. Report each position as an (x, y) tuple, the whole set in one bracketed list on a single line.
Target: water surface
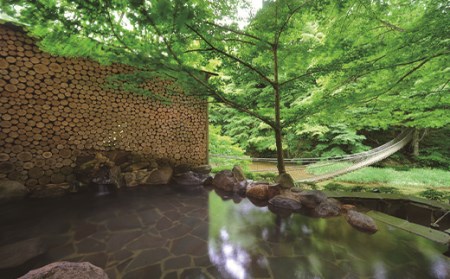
[(155, 232)]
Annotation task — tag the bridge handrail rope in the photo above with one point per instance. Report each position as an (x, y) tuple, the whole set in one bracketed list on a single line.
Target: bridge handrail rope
[(394, 146), (366, 162), (358, 160), (376, 150)]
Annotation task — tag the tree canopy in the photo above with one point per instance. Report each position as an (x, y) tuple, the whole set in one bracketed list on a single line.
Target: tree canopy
[(297, 67)]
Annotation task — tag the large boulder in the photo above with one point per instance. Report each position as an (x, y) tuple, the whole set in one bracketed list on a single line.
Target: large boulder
[(202, 169), (258, 191), (119, 157), (189, 178), (10, 190), (311, 198), (108, 175), (88, 166), (262, 190), (285, 203), (136, 178), (160, 176), (328, 208), (225, 180), (17, 253), (67, 270), (361, 221), (142, 165)]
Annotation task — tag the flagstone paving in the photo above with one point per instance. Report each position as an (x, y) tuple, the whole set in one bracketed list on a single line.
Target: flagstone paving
[(147, 233)]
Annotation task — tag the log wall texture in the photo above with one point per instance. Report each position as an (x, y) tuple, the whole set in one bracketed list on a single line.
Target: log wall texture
[(54, 108)]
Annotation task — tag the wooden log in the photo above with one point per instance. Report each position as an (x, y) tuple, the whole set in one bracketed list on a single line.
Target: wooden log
[(57, 178), (41, 69), (47, 155), (30, 183), (24, 156), (28, 165), (44, 180)]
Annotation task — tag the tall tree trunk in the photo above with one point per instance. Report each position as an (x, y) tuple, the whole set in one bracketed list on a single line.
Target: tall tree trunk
[(415, 142), (278, 127)]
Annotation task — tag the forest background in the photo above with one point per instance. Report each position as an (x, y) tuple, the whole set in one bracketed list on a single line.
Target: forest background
[(297, 78)]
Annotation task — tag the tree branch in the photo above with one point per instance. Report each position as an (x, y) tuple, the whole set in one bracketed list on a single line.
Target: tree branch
[(285, 23), (199, 50), (238, 32), (210, 90), (264, 77), (240, 41)]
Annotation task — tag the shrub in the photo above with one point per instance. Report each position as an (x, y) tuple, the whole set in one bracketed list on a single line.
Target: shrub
[(433, 194), (334, 187), (357, 189), (386, 190)]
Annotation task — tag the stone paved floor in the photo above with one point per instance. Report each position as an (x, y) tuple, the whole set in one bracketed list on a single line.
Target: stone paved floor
[(146, 233)]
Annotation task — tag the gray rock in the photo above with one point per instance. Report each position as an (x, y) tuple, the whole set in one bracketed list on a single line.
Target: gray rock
[(285, 180), (286, 203), (258, 191), (361, 221), (189, 178), (225, 180), (160, 176), (203, 169), (238, 173), (10, 190), (67, 270), (328, 208), (312, 198), (138, 177), (50, 191), (17, 253), (107, 175)]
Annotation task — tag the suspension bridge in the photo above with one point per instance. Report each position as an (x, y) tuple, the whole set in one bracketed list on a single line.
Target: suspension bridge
[(338, 165)]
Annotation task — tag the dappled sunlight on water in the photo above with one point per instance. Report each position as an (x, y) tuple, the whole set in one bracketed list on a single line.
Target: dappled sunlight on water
[(305, 247)]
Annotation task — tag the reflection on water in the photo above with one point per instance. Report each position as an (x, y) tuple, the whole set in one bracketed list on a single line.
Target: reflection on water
[(155, 232), (246, 241)]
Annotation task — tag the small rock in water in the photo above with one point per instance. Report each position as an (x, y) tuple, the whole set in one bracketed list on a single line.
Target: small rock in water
[(238, 173), (225, 180), (361, 221), (259, 191), (328, 208), (189, 178), (286, 203), (312, 198), (160, 176)]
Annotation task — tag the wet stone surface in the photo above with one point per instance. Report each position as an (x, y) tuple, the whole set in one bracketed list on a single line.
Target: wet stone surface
[(146, 231)]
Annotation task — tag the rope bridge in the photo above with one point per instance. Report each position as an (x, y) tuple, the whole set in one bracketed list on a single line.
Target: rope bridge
[(349, 162)]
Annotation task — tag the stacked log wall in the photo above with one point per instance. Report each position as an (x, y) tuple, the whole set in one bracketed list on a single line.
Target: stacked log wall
[(52, 109)]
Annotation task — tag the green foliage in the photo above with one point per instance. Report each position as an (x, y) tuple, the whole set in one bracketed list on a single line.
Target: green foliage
[(357, 188), (386, 190), (433, 194), (334, 187), (223, 145)]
